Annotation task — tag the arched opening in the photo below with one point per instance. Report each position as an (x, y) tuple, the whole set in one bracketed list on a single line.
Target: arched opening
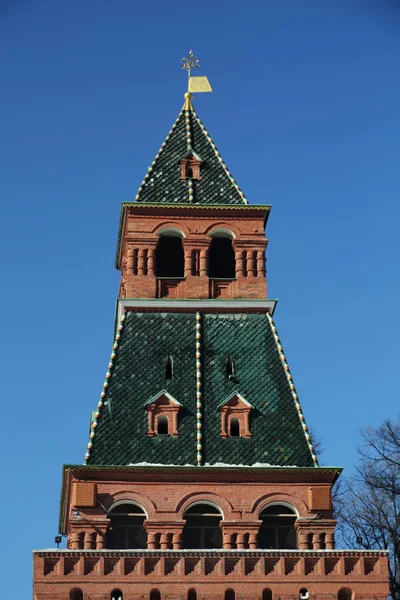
[(192, 594), (234, 428), (267, 594), (76, 594), (230, 594), (155, 595), (126, 530), (169, 256), (202, 528), (230, 368), (169, 368), (221, 262), (189, 173), (345, 594), (116, 595), (278, 528), (162, 425), (303, 594)]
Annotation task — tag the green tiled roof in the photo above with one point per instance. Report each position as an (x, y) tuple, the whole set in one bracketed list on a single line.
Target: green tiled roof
[(163, 183), (138, 374)]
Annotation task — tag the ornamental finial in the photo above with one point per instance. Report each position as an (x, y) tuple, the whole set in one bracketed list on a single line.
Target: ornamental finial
[(189, 64)]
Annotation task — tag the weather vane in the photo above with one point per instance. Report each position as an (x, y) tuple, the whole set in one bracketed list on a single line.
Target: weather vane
[(190, 63), (195, 84)]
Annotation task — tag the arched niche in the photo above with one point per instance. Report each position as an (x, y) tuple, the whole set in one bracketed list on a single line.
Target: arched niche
[(126, 528), (277, 531), (202, 528), (221, 256), (170, 254)]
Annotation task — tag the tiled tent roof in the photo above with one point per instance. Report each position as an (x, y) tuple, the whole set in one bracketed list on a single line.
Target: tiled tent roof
[(137, 373), (163, 183), (260, 377)]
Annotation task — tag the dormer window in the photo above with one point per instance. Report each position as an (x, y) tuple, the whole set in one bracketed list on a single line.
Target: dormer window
[(235, 417), (162, 412), (190, 165)]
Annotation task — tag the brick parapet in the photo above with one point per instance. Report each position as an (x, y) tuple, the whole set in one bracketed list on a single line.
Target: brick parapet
[(322, 573)]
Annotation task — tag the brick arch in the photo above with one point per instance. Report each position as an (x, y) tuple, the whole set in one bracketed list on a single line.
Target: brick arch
[(224, 505), (299, 506), (148, 505), (173, 225), (223, 225)]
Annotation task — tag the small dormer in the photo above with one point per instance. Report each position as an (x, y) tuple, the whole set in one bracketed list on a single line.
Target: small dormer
[(190, 165), (235, 417), (162, 411)]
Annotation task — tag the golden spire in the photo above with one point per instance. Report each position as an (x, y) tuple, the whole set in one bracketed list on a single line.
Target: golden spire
[(195, 84)]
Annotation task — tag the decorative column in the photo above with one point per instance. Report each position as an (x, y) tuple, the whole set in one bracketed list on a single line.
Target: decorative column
[(74, 541), (203, 262), (129, 263), (87, 540), (174, 414), (303, 540), (164, 541), (329, 541), (260, 264), (188, 261), (150, 420), (317, 541), (141, 261), (151, 266), (100, 541), (249, 263), (177, 541), (239, 272), (227, 541), (151, 541), (224, 412), (253, 541), (241, 541), (246, 414)]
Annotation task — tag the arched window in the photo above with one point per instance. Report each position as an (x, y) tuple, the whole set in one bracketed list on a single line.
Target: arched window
[(202, 528), (221, 263), (155, 595), (162, 425), (267, 594), (76, 594), (116, 595), (303, 594), (345, 594), (126, 530), (230, 594), (169, 257), (169, 368), (192, 594), (277, 530), (234, 427)]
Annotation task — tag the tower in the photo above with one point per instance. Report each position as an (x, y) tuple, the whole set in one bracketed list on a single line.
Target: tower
[(200, 480)]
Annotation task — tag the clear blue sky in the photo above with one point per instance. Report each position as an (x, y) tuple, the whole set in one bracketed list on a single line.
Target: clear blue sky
[(305, 112)]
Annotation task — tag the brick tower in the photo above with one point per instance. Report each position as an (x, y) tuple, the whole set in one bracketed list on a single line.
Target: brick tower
[(200, 480)]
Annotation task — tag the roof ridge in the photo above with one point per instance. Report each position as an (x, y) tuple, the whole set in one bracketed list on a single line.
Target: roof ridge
[(292, 388), (218, 155), (100, 403)]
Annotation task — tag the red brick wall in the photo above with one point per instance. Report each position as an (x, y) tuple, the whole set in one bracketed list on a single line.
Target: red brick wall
[(139, 242)]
